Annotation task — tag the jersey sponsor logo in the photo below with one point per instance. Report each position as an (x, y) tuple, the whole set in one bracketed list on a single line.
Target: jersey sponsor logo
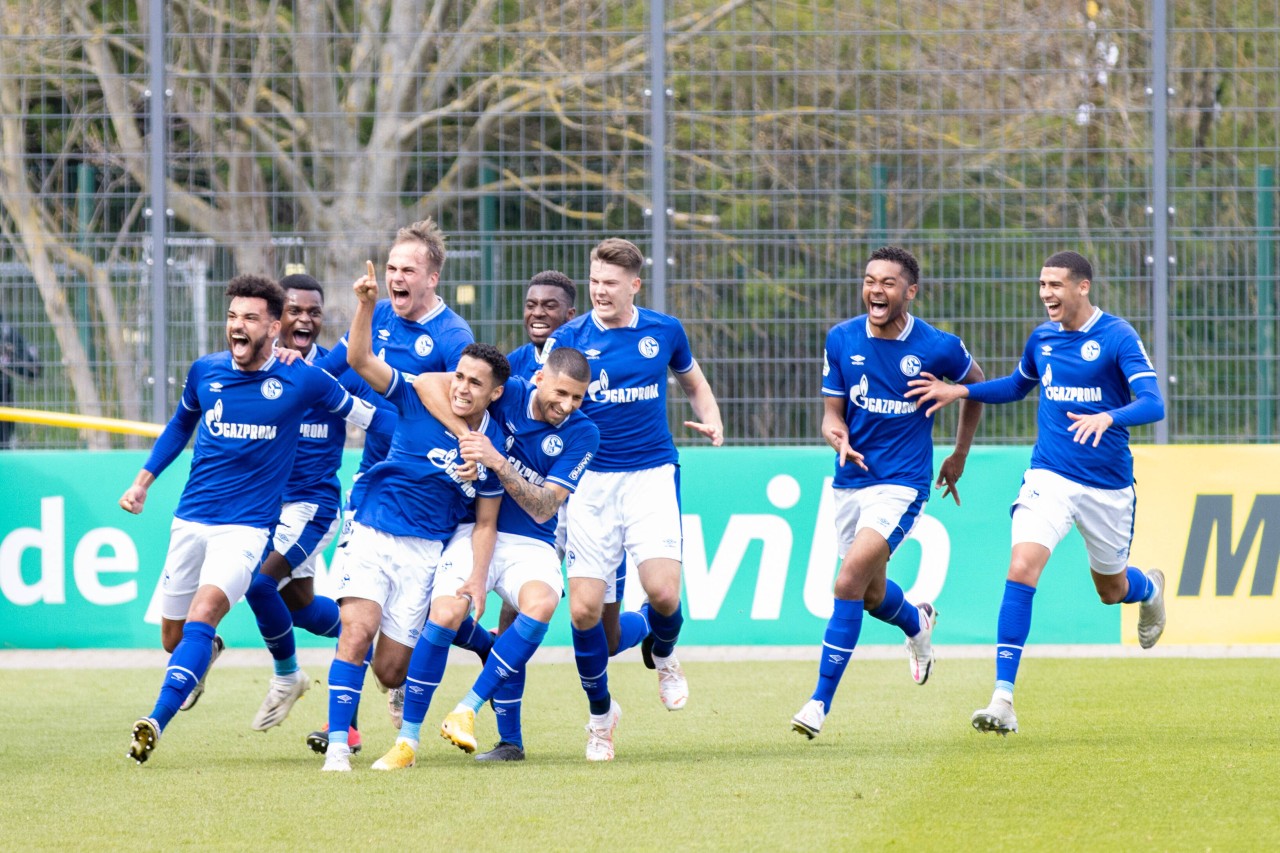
[(272, 389), (552, 445), (1069, 393), (511, 440), (648, 347), (525, 471), (225, 429), (313, 430), (910, 365), (424, 345), (600, 392), (1090, 351), (448, 461), (858, 395), (580, 467)]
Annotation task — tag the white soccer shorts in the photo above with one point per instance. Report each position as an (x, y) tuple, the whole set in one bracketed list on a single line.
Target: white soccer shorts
[(890, 510), (615, 514), (517, 560), (222, 555), (302, 532), (396, 573), (1048, 504)]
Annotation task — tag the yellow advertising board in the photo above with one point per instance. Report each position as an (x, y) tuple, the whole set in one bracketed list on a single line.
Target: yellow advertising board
[(1209, 516)]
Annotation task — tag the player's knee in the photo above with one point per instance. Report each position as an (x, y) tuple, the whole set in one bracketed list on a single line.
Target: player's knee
[(448, 611), (583, 617), (390, 672)]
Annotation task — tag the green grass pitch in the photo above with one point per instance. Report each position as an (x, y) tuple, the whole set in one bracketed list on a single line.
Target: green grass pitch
[(1114, 754)]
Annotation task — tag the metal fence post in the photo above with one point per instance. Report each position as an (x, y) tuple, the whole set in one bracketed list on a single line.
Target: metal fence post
[(158, 114), (1161, 259), (658, 157), (1265, 201)]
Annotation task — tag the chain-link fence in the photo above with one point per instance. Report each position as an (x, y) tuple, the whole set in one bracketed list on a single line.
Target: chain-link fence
[(771, 147)]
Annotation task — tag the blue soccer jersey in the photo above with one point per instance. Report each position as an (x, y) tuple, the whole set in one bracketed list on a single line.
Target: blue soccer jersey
[(431, 344), (247, 427), (525, 361), (321, 437), (872, 374), (1085, 372), (627, 397), (415, 491), (541, 453)]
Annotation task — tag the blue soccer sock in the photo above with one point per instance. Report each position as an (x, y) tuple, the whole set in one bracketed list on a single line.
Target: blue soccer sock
[(591, 654), (1011, 633), (511, 652), (665, 630), (1140, 586), (506, 708), (838, 643), (426, 669), (896, 610), (473, 638), (633, 627), (345, 683), (187, 665), (274, 622), (320, 617)]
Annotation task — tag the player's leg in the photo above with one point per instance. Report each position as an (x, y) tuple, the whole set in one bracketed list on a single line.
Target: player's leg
[(221, 558), (365, 592), (525, 572), (892, 511), (591, 655), (650, 502), (627, 629), (424, 626), (866, 555), (507, 703), (1105, 520)]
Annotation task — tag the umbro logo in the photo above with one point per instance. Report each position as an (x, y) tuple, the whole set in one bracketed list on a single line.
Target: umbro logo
[(345, 699), (414, 689), (858, 360), (215, 387), (1005, 654), (1046, 349), (383, 334), (592, 353), (835, 658)]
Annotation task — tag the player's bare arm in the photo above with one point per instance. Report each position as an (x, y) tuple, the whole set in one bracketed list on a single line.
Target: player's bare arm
[(360, 355), (703, 401), (937, 392), (135, 497), (541, 502), (433, 391), (483, 540), (835, 432), (952, 468)]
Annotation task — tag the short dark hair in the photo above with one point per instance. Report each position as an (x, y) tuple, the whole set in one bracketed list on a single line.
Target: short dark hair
[(258, 287), (301, 281), (494, 357), (902, 258), (555, 278), (619, 253), (569, 362), (1073, 262)]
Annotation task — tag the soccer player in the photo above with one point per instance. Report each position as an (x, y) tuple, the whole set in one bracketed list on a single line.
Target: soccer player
[(548, 305), (416, 332), (246, 409), (1095, 381), (308, 519), (628, 500), (884, 463), (549, 446), (413, 502)]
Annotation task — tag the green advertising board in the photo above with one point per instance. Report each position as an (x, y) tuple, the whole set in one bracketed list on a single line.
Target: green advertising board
[(76, 571)]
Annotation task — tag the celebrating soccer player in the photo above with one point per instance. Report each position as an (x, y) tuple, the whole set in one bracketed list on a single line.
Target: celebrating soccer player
[(1095, 381), (246, 409), (884, 463), (627, 501)]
